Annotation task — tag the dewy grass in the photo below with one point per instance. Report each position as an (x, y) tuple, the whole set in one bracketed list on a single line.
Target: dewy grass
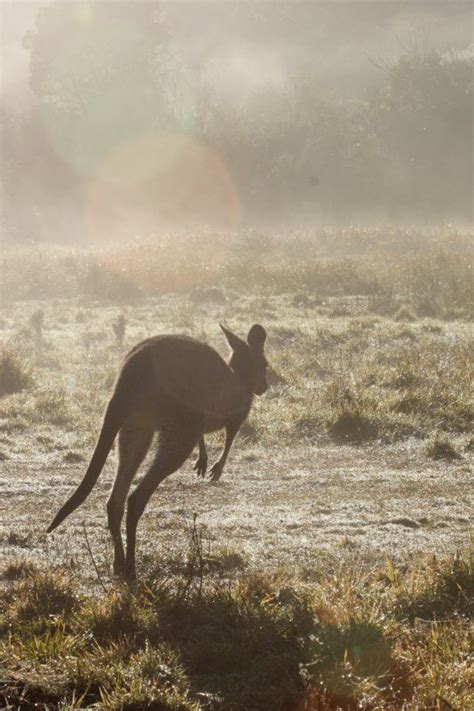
[(250, 641), (439, 446), (387, 268), (349, 364), (356, 377)]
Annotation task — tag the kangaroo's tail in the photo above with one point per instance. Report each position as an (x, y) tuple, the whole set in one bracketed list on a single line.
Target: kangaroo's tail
[(119, 407)]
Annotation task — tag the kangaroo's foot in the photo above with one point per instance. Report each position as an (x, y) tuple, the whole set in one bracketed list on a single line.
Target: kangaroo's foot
[(200, 466), (216, 471)]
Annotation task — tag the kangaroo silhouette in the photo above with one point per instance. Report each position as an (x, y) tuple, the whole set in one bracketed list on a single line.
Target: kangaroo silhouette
[(182, 389)]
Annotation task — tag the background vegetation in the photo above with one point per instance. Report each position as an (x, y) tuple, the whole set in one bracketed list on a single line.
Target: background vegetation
[(369, 335), (138, 142), (130, 122)]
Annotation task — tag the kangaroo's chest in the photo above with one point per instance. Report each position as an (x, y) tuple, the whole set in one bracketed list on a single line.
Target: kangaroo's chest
[(215, 423)]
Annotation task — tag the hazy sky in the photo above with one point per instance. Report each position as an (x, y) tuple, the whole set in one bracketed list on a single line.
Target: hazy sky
[(129, 157), (245, 45)]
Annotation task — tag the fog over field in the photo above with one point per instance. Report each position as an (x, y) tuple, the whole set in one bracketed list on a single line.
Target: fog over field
[(119, 119), (300, 174)]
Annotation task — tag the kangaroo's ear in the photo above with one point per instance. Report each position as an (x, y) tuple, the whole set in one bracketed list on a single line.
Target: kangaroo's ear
[(234, 341), (257, 337)]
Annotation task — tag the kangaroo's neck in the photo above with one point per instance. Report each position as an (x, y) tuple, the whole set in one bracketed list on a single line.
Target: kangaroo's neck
[(244, 391)]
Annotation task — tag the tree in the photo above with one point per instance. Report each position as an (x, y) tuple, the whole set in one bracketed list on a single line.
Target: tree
[(102, 76), (424, 116)]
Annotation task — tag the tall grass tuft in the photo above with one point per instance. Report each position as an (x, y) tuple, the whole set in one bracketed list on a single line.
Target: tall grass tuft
[(15, 374)]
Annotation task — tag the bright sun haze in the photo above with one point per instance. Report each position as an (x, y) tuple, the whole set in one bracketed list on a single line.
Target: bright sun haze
[(236, 346)]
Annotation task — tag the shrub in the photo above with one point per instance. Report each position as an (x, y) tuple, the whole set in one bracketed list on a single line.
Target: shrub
[(19, 569)]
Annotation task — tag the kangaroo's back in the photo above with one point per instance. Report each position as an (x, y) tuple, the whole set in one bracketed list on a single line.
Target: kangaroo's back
[(180, 371)]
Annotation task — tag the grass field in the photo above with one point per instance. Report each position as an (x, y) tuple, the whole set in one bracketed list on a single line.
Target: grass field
[(332, 566)]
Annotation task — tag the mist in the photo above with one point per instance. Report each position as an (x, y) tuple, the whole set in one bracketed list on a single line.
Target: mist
[(236, 267), (124, 119)]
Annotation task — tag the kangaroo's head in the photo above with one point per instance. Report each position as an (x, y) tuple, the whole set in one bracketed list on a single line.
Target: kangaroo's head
[(248, 360)]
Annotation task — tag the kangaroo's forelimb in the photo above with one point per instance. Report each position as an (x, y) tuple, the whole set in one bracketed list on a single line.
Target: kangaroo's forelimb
[(231, 430), (200, 465)]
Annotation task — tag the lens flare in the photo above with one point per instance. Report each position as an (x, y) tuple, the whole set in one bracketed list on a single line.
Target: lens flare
[(162, 179)]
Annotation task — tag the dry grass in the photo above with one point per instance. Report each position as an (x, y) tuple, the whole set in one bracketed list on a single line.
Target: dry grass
[(440, 447), (369, 341), (355, 378), (352, 349), (365, 380), (430, 274), (388, 639), (15, 374)]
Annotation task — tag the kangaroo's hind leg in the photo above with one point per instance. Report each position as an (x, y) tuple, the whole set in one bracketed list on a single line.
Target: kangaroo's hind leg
[(177, 440), (134, 441)]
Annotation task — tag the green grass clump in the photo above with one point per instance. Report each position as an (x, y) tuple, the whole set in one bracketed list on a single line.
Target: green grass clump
[(438, 589), (225, 561), (39, 597), (15, 373)]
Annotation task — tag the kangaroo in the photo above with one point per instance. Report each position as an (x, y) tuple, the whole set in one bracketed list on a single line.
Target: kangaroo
[(182, 389)]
